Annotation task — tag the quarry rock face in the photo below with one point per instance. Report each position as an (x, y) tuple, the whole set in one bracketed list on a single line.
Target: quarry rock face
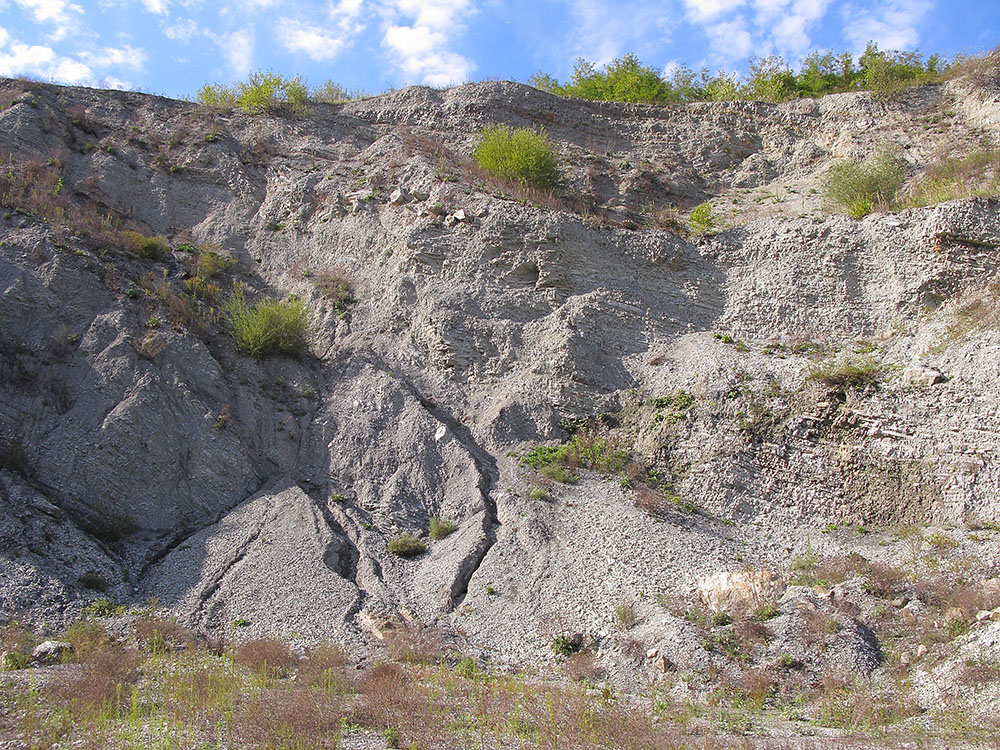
[(144, 455)]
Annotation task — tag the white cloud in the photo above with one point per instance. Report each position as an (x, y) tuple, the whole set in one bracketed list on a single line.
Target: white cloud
[(892, 26), (791, 33), (237, 48), (4, 36), (323, 42), (159, 7), (43, 62), (731, 41), (670, 68), (57, 12), (117, 83), (700, 11), (602, 31), (313, 41), (422, 45), (182, 30), (112, 57)]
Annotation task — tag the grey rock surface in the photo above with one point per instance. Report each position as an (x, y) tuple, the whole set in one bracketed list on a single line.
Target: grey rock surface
[(153, 461)]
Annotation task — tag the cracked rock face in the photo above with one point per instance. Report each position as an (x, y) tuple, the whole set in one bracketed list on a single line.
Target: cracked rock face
[(145, 458)]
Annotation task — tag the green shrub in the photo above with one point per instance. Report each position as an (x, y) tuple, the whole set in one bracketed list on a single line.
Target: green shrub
[(701, 220), (564, 645), (537, 493), (270, 326), (104, 608), (769, 79), (263, 91), (217, 96), (441, 527), (333, 93), (467, 668), (767, 612), (154, 248), (887, 73), (845, 375), (520, 155), (622, 80), (861, 188), (407, 545), (587, 449), (210, 263), (12, 661)]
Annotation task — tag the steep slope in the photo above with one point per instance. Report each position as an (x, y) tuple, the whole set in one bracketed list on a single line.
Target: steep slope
[(146, 456)]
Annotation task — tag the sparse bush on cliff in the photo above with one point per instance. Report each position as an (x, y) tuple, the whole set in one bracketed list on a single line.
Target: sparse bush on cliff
[(269, 327), (263, 91), (153, 248), (407, 545), (863, 187), (520, 155), (441, 527), (701, 219)]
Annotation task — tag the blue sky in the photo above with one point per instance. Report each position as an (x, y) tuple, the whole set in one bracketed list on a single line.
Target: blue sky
[(171, 47)]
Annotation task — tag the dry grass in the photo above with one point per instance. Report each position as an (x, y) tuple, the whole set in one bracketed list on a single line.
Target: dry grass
[(159, 634), (193, 698), (863, 705), (290, 718), (267, 657), (976, 174), (980, 312), (176, 307), (336, 288), (982, 71), (101, 679), (37, 188), (415, 643), (328, 668)]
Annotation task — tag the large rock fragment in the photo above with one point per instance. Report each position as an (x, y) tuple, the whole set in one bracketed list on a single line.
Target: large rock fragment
[(738, 592), (921, 377)]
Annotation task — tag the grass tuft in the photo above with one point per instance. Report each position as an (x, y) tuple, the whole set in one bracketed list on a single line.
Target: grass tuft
[(407, 545), (441, 527), (270, 326)]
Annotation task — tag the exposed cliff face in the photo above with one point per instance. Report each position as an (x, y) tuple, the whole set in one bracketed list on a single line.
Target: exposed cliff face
[(143, 448)]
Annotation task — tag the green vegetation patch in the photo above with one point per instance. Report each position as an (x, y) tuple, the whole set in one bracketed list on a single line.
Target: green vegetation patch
[(441, 527), (153, 248), (586, 450), (520, 155), (701, 220), (861, 188), (270, 326), (885, 73), (263, 91), (847, 374), (407, 545)]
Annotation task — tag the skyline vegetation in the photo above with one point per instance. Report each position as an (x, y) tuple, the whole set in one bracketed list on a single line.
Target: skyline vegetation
[(885, 73), (770, 79)]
